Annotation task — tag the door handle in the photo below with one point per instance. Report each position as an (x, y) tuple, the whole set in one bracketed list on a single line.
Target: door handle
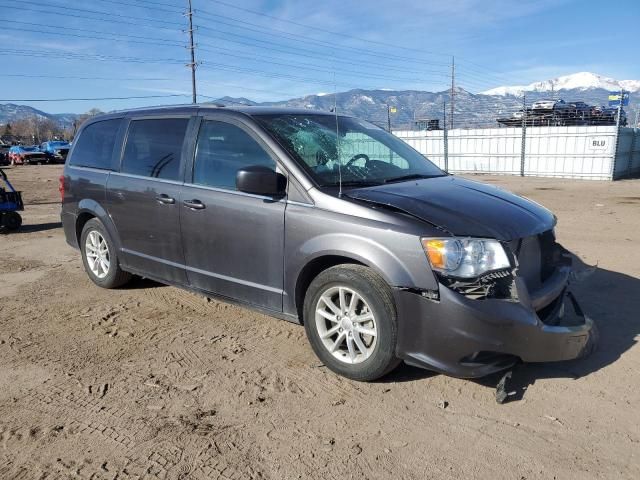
[(165, 199), (194, 204)]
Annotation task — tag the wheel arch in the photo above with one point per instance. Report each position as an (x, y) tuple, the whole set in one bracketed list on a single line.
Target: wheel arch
[(327, 251), (311, 270), (88, 209)]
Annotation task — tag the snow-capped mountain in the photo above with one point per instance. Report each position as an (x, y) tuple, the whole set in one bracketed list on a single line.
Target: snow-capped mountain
[(576, 81)]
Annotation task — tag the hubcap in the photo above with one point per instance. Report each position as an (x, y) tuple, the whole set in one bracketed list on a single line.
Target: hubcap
[(346, 324), (97, 254)]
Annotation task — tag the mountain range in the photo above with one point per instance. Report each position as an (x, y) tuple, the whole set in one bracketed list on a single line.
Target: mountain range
[(577, 81), (471, 109)]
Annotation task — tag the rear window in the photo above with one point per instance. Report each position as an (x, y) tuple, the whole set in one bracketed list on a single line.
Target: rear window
[(95, 146), (154, 147)]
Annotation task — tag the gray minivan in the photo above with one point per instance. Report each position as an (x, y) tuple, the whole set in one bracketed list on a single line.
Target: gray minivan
[(327, 221)]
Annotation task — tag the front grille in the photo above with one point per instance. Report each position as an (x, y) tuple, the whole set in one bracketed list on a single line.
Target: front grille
[(548, 254), (538, 257)]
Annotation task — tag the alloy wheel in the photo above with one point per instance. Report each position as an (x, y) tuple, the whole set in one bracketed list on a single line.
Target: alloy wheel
[(346, 324), (97, 254)]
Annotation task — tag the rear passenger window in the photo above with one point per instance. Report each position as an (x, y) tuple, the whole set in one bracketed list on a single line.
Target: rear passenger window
[(222, 150), (95, 146), (154, 147)]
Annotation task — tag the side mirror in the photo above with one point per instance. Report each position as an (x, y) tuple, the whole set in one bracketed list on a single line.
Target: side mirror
[(261, 180)]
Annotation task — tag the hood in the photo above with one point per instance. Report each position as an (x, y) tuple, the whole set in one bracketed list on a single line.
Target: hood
[(463, 207)]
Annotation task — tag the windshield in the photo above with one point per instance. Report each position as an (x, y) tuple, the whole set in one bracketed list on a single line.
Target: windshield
[(360, 152), (30, 149)]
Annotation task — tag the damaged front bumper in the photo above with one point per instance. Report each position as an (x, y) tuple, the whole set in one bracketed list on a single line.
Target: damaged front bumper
[(467, 337)]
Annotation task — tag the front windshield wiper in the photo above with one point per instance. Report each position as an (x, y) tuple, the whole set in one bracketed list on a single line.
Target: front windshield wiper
[(354, 183), (411, 176)]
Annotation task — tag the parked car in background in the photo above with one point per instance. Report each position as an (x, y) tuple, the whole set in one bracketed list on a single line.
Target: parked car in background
[(327, 221), (550, 105), (4, 154), (21, 155), (56, 151)]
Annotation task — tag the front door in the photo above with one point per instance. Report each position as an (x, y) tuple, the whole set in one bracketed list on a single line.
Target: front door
[(144, 198), (233, 242)]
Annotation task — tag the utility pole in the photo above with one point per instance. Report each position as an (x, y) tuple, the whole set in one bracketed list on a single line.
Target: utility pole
[(524, 133), (445, 137), (617, 145), (453, 86), (388, 118), (192, 49), (620, 108)]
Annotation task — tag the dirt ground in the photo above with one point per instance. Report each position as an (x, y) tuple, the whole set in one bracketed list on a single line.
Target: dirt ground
[(153, 382)]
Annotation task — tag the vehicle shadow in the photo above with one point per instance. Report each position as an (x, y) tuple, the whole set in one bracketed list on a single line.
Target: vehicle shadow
[(612, 300), (140, 283), (40, 227)]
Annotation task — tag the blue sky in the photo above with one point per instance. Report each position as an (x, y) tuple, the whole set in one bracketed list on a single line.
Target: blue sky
[(124, 48)]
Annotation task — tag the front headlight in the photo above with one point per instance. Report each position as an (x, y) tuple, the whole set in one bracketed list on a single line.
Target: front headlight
[(465, 257)]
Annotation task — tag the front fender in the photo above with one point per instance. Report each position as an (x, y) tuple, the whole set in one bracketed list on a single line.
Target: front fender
[(396, 255), (363, 250)]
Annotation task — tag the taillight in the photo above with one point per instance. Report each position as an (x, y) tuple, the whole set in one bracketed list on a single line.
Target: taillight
[(61, 188)]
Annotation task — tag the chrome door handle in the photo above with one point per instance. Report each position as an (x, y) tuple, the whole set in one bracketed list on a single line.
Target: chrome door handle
[(165, 199), (194, 204)]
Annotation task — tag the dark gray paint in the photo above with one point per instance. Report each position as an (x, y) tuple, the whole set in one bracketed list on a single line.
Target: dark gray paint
[(253, 249)]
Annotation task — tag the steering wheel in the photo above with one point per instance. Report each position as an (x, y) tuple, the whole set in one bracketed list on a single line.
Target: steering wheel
[(357, 157)]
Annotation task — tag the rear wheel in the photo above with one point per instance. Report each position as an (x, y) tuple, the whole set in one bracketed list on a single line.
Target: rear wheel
[(99, 256), (11, 221), (350, 320)]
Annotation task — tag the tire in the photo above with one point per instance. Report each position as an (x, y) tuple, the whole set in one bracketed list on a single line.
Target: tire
[(370, 356), (94, 257), (11, 221)]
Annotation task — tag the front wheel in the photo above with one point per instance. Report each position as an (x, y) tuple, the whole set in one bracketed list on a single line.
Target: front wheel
[(350, 320), (99, 256)]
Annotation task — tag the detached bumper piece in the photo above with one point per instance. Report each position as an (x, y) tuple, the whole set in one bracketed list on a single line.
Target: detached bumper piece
[(468, 338)]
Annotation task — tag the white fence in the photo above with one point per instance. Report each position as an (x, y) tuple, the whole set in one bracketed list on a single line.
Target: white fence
[(587, 152)]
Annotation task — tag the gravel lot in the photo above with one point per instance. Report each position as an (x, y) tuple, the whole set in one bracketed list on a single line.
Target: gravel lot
[(153, 382)]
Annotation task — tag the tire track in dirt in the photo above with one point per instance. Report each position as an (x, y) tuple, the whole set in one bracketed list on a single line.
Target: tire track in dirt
[(262, 344), (265, 341)]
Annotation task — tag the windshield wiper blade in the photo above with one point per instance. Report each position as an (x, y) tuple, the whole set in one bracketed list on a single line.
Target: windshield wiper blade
[(412, 176), (355, 183)]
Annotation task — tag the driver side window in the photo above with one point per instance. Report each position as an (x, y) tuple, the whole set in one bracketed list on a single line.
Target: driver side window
[(221, 151)]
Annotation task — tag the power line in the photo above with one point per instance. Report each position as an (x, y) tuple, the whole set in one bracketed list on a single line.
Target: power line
[(85, 56), (71, 15), (93, 31), (70, 77), (89, 99), (283, 34), (330, 32), (324, 70), (93, 37), (94, 12)]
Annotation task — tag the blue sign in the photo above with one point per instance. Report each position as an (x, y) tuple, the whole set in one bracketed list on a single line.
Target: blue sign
[(614, 99)]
